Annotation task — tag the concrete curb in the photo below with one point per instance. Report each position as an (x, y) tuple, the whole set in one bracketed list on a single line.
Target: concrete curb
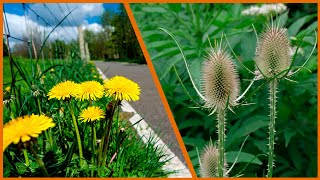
[(145, 132)]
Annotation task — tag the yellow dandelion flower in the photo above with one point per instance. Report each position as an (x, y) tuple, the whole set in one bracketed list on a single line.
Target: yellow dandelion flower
[(91, 90), (121, 88), (64, 90), (92, 113), (23, 128), (8, 88)]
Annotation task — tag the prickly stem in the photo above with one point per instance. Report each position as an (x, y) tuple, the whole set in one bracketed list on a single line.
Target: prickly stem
[(273, 91), (221, 140)]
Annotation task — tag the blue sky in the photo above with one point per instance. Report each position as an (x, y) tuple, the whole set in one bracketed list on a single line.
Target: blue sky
[(18, 10), (85, 14)]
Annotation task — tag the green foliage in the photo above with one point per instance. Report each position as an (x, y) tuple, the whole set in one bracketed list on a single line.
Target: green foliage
[(64, 50), (117, 41), (59, 150), (296, 123)]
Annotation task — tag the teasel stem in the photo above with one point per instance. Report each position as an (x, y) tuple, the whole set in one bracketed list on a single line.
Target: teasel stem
[(221, 139), (39, 161), (77, 133), (272, 131)]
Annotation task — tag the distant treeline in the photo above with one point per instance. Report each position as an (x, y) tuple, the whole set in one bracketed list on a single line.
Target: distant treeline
[(116, 41)]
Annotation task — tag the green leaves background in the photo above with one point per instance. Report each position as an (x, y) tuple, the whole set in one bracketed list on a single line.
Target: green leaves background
[(296, 125)]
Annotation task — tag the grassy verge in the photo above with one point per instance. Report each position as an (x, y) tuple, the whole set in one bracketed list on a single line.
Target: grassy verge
[(126, 154)]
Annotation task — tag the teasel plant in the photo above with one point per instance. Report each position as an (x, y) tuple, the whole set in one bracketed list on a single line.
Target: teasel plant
[(220, 86), (272, 57), (208, 161), (274, 63), (220, 91), (209, 158)]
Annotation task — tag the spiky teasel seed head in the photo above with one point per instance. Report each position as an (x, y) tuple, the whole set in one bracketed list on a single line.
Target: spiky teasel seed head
[(273, 51), (209, 162), (220, 80)]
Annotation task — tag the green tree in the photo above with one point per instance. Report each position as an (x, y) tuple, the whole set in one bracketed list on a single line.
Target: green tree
[(123, 37)]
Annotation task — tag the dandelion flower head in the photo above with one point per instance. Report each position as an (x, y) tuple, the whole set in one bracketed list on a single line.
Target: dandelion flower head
[(91, 90), (91, 113), (122, 88), (24, 128), (65, 90)]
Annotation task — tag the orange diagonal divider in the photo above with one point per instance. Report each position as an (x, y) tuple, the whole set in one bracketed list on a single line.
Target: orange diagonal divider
[(161, 93)]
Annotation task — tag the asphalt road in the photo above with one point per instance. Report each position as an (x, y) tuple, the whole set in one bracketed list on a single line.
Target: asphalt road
[(149, 105)]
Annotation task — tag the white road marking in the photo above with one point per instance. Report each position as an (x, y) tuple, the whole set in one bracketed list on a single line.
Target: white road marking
[(145, 132)]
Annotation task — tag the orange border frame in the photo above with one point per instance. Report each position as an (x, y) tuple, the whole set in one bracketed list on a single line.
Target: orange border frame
[(152, 70), (1, 96)]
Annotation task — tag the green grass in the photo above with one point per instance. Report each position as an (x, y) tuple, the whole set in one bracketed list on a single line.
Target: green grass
[(26, 64), (133, 158)]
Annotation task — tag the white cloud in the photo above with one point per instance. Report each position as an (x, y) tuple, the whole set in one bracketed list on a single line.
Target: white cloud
[(18, 29), (53, 13), (91, 9), (95, 27), (66, 32), (17, 25)]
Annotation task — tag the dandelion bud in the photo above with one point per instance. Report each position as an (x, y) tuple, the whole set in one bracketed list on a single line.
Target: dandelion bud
[(209, 162), (109, 109), (273, 52), (6, 95), (7, 98), (34, 87), (220, 80), (35, 90)]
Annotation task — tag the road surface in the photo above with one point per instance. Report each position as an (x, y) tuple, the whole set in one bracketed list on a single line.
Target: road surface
[(149, 105)]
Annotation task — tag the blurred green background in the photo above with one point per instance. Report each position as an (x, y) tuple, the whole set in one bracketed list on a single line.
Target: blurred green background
[(296, 123)]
